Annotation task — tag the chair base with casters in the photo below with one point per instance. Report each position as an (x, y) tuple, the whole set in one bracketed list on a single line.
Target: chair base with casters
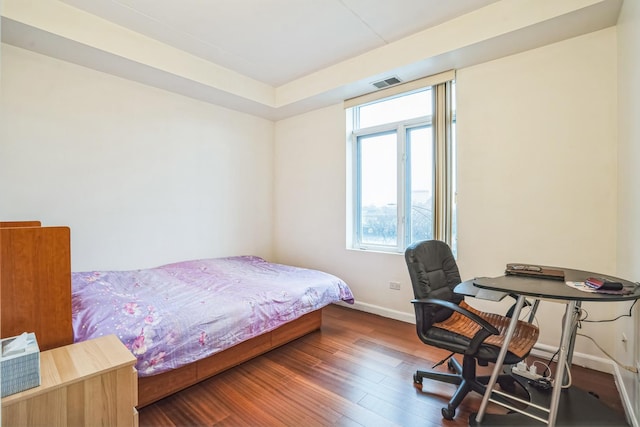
[(466, 380)]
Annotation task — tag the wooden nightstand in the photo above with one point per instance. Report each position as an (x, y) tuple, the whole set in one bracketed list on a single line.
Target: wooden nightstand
[(88, 383)]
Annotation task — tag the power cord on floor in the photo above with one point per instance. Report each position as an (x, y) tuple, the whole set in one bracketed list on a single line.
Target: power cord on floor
[(546, 368), (627, 367), (568, 384), (582, 318), (568, 368)]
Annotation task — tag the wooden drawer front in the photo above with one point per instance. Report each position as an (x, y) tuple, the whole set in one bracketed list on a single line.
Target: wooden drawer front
[(155, 386), (126, 393), (42, 410), (105, 399), (290, 331)]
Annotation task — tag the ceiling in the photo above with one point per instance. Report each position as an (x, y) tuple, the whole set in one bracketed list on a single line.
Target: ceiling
[(277, 41), (279, 58)]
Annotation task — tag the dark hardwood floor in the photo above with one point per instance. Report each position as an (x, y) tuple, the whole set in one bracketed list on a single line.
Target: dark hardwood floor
[(357, 371)]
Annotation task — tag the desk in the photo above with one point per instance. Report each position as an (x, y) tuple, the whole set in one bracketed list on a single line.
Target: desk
[(553, 290)]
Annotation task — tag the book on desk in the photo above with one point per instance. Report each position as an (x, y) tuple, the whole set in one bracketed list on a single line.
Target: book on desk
[(529, 270)]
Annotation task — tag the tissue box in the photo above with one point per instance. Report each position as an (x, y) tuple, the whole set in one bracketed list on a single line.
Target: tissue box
[(20, 369)]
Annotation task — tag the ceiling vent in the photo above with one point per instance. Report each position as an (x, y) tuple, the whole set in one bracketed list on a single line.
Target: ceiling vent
[(387, 82)]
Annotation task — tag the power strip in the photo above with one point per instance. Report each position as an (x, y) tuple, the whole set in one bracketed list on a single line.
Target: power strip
[(524, 373)]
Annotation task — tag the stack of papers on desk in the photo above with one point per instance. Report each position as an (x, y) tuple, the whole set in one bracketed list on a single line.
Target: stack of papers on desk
[(581, 286)]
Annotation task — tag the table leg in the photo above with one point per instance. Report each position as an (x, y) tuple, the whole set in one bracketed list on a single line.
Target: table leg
[(503, 352), (534, 310), (572, 339), (567, 331)]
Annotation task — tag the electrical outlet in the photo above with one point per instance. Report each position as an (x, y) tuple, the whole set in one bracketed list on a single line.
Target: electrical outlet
[(394, 285)]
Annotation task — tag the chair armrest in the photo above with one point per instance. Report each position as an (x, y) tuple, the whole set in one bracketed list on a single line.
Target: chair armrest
[(492, 330)]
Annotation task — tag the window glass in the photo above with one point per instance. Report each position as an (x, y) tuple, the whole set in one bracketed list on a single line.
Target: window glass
[(378, 189), (404, 107), (420, 200)]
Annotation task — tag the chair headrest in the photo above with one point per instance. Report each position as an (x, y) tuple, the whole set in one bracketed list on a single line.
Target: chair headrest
[(433, 270)]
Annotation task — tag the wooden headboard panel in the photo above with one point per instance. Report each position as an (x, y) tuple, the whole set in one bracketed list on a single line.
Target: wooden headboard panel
[(35, 282), (20, 224)]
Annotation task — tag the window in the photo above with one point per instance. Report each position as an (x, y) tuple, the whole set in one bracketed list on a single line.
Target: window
[(401, 160)]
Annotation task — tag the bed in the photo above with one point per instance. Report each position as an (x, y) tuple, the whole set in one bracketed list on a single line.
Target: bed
[(228, 310)]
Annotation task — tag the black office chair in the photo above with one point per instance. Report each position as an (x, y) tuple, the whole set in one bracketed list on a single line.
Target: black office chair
[(445, 321)]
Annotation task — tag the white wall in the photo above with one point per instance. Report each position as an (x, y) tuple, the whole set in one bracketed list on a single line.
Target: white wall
[(142, 176), (628, 184), (537, 137), (528, 125)]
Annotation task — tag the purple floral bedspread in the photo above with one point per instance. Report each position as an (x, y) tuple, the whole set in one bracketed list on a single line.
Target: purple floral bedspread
[(175, 314)]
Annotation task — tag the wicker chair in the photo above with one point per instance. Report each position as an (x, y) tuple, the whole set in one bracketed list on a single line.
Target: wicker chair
[(445, 321)]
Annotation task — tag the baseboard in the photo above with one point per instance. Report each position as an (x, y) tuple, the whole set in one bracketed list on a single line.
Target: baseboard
[(381, 311)]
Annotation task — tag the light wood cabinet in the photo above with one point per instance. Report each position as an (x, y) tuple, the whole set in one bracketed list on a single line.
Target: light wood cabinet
[(92, 383)]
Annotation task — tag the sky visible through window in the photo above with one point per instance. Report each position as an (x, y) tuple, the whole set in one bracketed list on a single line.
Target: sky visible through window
[(403, 107)]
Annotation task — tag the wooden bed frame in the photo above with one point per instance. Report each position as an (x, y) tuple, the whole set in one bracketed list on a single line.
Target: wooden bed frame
[(35, 296)]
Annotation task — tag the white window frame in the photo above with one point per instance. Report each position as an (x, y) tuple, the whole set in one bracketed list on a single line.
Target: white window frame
[(441, 122)]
